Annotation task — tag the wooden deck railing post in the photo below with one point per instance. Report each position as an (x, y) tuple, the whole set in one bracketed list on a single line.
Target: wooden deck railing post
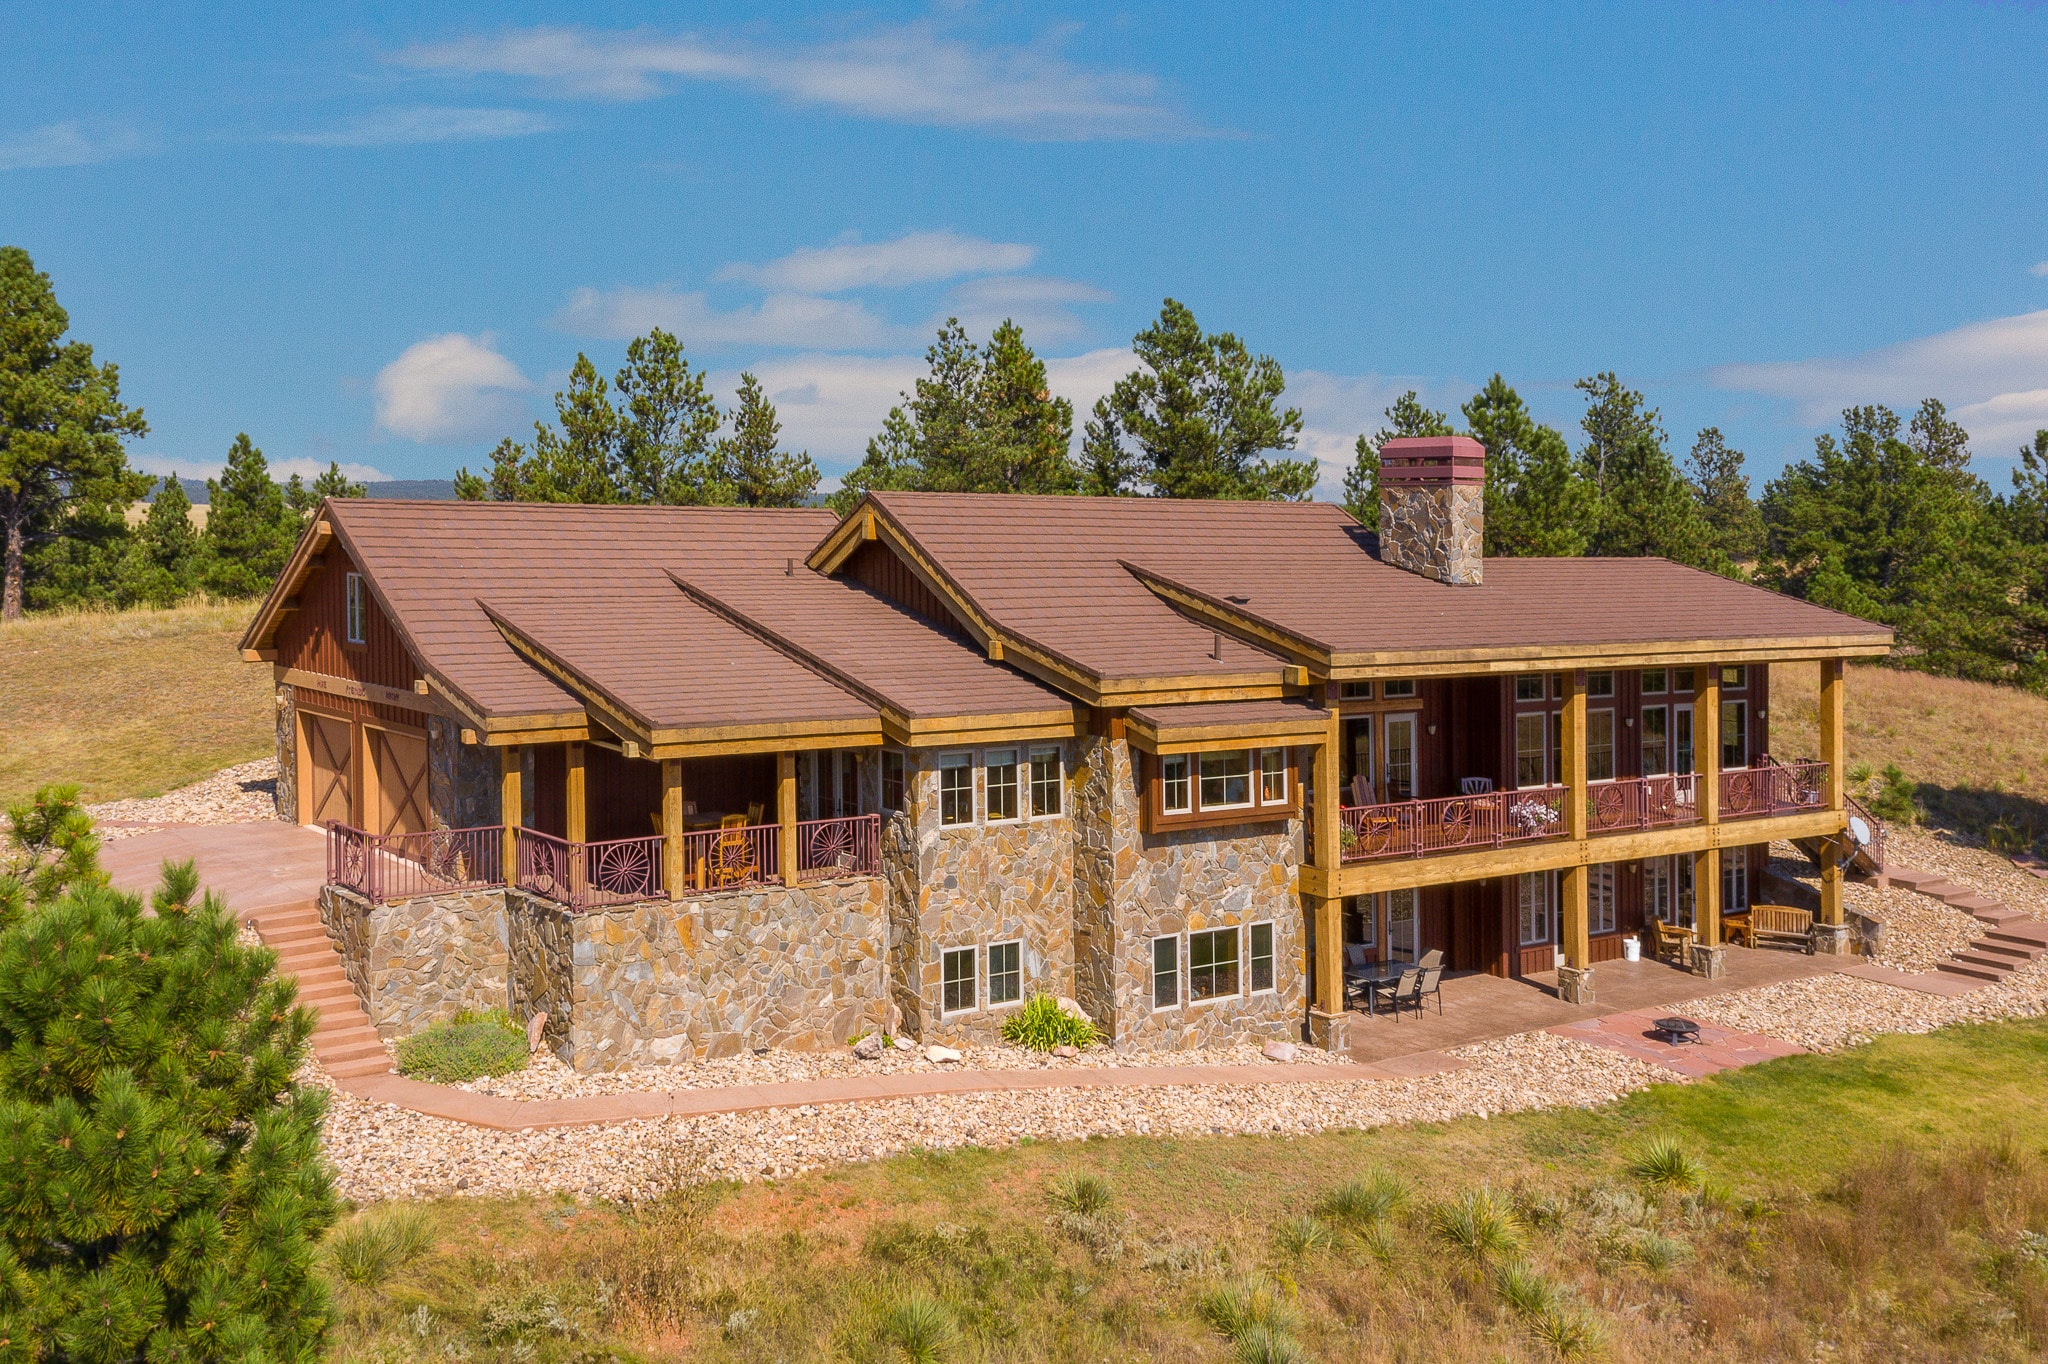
[(672, 868), (1575, 980), (574, 818), (785, 811), (511, 767)]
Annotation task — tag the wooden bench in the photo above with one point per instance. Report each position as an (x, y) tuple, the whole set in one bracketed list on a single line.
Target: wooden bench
[(1774, 923)]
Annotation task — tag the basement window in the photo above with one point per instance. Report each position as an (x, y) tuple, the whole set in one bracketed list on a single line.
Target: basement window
[(957, 987), (1261, 955), (1212, 964), (1005, 973)]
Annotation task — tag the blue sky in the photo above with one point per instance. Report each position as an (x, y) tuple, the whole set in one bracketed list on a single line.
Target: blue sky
[(380, 234)]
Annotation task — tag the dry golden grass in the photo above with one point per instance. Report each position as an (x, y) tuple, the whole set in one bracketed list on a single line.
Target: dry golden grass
[(129, 703)]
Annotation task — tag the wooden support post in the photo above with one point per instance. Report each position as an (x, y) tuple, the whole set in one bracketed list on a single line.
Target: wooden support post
[(785, 811), (1706, 895), (673, 871), (1834, 735), (511, 772), (1327, 1024), (1572, 754), (1831, 881), (1572, 886), (578, 810), (1706, 743)]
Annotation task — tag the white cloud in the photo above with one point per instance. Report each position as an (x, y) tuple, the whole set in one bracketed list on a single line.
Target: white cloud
[(830, 404), (1034, 302), (306, 467), (918, 258), (1990, 373), (1336, 409), (2039, 268), (451, 387), (404, 127), (910, 74), (70, 143), (1081, 379), (794, 320)]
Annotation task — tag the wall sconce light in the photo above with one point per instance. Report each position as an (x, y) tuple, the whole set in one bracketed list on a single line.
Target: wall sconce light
[(1432, 729), (1763, 715), (1630, 721)]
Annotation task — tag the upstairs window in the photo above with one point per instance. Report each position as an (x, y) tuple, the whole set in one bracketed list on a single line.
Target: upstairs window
[(1001, 798), (1599, 745), (1735, 679), (1176, 796), (1045, 782), (1226, 780), (956, 788), (892, 779), (1219, 787), (1655, 681), (1599, 684), (358, 632), (1397, 690), (1272, 776), (1354, 691), (1529, 688)]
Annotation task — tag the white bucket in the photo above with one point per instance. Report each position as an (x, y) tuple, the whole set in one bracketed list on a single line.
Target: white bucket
[(1631, 949)]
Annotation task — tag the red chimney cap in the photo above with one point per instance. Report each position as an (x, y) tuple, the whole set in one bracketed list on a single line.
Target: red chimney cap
[(1432, 459)]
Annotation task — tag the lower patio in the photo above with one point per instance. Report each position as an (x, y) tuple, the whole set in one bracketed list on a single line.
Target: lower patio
[(1477, 1007)]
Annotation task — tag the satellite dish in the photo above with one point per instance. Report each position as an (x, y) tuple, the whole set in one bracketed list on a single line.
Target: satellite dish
[(1859, 831)]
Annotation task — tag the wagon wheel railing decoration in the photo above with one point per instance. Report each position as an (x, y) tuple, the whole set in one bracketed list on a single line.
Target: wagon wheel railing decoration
[(1609, 803)]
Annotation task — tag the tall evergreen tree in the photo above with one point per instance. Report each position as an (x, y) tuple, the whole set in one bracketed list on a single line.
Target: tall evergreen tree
[(163, 562), (981, 420), (1735, 525), (2025, 513), (63, 469), (1407, 416), (1644, 505), (332, 482), (250, 529), (161, 1180), (1538, 502), (652, 445), (749, 467)]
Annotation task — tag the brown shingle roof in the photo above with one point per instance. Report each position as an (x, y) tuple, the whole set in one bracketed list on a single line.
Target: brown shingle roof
[(1053, 570), (1223, 720)]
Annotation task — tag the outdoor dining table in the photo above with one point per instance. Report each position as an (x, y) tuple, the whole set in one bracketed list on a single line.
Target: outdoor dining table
[(1375, 974)]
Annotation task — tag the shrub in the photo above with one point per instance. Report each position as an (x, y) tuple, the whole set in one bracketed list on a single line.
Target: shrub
[(466, 1047), (1242, 1305), (1084, 1192), (921, 1329), (1263, 1345), (1570, 1331), (370, 1249), (1042, 1025), (1361, 1202), (1664, 1163), (1481, 1223), (1895, 798), (1526, 1292), (1083, 1214), (1305, 1234), (161, 1182)]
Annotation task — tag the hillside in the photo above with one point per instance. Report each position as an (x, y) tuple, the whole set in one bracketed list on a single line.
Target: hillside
[(128, 703)]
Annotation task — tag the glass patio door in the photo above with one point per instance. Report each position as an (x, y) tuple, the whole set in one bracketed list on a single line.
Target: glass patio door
[(1399, 766), (1401, 925), (1358, 762)]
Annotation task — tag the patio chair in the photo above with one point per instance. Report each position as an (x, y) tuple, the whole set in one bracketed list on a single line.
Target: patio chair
[(1669, 942), (1397, 992), (1433, 957), (1475, 786), (731, 860), (1430, 984), (1361, 790), (754, 812), (1356, 968)]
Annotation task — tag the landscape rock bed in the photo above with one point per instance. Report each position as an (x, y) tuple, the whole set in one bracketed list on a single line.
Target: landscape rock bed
[(234, 795), (1920, 931), (1968, 864), (385, 1152), (1828, 1013)]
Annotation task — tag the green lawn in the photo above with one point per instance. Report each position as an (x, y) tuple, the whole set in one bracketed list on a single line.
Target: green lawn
[(1856, 1207)]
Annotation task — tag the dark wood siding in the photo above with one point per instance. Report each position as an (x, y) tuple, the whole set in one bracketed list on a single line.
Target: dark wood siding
[(314, 638), (623, 795), (875, 566)]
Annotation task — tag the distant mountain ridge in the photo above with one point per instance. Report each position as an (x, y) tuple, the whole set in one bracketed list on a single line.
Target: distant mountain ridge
[(421, 489)]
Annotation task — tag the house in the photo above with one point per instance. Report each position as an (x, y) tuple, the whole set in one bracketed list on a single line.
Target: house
[(697, 780)]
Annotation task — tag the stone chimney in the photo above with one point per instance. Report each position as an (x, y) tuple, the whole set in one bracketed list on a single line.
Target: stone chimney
[(1433, 507)]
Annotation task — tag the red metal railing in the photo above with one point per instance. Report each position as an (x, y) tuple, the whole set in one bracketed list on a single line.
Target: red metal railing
[(589, 875), (1773, 788), (848, 846), (1416, 828), (401, 866), (1642, 803), (722, 859)]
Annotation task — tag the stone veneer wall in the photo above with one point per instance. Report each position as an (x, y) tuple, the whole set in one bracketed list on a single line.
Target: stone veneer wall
[(286, 795), (1434, 529), (462, 779), (1130, 887), (659, 981), (421, 961)]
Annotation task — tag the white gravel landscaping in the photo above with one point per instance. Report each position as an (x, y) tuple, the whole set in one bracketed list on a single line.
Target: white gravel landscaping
[(234, 795), (1828, 1013)]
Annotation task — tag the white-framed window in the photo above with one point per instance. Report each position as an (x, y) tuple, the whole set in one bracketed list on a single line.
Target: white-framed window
[(1599, 684), (1226, 779), (358, 622), (956, 980), (1046, 780), (1166, 973), (893, 792), (1599, 745), (1005, 973), (1354, 691), (1734, 881), (1535, 900), (1529, 687), (999, 797), (1398, 771), (1600, 900), (1272, 776), (1259, 957), (1212, 964), (1735, 678), (1655, 681), (1176, 792), (956, 788), (1734, 735), (1403, 928), (1397, 689), (1530, 749)]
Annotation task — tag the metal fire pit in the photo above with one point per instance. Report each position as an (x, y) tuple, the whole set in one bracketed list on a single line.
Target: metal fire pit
[(1676, 1030)]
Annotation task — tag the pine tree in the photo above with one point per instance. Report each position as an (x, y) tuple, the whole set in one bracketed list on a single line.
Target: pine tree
[(2025, 513), (1538, 502), (1644, 504), (1405, 418), (1735, 525), (250, 529), (63, 470), (1201, 416), (749, 467), (163, 562), (161, 1181), (981, 420)]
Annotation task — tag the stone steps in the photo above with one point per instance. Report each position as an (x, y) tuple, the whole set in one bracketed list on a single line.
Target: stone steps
[(2013, 941), (347, 1046)]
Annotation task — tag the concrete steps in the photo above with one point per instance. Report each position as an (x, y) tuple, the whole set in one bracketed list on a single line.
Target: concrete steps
[(2013, 939), (343, 1040)]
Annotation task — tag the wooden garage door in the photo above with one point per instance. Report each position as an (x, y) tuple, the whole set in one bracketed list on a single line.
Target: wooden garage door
[(400, 792), (328, 777)]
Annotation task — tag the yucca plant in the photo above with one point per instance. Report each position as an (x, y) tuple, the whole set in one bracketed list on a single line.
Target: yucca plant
[(1570, 1331), (1084, 1192), (1363, 1201), (1481, 1223), (1664, 1163), (1263, 1345), (920, 1328), (1252, 1302), (1525, 1291), (368, 1250), (1304, 1234)]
